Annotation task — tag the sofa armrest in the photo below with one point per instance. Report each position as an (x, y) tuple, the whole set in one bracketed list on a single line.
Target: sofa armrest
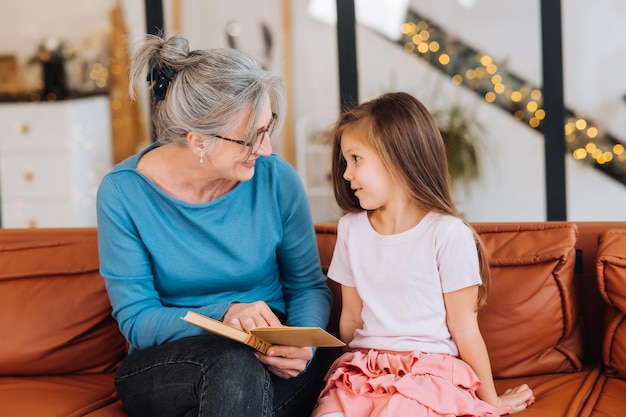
[(611, 274)]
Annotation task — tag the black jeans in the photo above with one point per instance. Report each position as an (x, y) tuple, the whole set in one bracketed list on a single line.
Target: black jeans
[(212, 376)]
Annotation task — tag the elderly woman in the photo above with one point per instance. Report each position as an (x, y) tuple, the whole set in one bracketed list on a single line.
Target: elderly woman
[(208, 219)]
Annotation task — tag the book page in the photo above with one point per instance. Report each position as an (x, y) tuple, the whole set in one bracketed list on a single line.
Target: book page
[(215, 326), (297, 336)]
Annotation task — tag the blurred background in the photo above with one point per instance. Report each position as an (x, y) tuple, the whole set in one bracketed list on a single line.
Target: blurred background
[(65, 116)]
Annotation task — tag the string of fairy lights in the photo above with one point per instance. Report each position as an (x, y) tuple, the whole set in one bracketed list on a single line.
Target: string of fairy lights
[(495, 84)]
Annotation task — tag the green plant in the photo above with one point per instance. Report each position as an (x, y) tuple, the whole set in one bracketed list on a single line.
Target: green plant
[(461, 132)]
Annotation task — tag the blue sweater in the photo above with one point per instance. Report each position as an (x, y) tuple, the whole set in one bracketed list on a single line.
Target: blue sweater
[(161, 257)]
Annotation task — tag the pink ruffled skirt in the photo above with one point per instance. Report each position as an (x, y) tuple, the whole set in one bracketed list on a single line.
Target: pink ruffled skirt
[(390, 384)]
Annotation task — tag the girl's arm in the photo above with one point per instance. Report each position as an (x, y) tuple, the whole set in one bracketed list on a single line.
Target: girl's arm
[(462, 320), (351, 307)]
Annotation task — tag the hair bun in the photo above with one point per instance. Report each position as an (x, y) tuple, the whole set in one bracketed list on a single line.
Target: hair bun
[(174, 48)]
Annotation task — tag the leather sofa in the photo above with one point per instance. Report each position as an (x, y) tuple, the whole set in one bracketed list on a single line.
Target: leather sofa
[(555, 319)]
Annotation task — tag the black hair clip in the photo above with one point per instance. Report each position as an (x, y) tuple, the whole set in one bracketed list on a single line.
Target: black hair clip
[(161, 77)]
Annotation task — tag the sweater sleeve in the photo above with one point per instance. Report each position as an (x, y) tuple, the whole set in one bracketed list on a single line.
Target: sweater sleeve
[(126, 265)]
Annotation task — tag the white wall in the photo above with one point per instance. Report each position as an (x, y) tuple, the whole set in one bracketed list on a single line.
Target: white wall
[(512, 185)]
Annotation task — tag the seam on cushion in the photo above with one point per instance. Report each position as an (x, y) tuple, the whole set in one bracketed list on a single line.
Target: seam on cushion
[(38, 244), (95, 405), (615, 232), (554, 253), (613, 260), (520, 227), (606, 256), (50, 274), (589, 399), (566, 303), (600, 267), (611, 329), (525, 260)]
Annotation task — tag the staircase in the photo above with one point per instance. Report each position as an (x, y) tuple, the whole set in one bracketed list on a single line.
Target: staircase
[(497, 85)]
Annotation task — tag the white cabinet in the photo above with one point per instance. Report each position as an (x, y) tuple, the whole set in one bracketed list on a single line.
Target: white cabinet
[(53, 156)]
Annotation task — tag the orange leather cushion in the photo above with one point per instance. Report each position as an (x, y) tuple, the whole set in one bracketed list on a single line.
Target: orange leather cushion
[(607, 399), (56, 396), (112, 410), (530, 323), (55, 309), (611, 273), (558, 395)]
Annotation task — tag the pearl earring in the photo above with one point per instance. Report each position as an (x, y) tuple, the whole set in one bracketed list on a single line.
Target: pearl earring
[(201, 157)]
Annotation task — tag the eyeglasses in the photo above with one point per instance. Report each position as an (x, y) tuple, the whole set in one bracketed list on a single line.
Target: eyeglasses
[(256, 145)]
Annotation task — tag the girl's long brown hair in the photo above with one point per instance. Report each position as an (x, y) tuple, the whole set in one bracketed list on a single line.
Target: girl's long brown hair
[(408, 141)]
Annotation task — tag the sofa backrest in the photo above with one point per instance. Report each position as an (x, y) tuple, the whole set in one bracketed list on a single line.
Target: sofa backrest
[(531, 322), (56, 315)]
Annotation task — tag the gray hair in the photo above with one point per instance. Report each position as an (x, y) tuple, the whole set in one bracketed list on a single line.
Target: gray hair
[(211, 91)]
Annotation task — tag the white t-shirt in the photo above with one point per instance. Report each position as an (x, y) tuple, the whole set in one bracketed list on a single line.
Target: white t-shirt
[(401, 279)]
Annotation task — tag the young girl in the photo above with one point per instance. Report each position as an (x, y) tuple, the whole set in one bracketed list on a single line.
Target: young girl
[(411, 276)]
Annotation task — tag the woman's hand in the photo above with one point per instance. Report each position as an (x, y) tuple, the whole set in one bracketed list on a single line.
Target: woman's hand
[(518, 398), (286, 361), (283, 361), (249, 316)]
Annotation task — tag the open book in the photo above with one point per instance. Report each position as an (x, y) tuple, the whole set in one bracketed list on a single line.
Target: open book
[(262, 338)]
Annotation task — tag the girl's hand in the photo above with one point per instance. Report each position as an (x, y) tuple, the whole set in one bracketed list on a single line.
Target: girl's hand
[(286, 361), (249, 316), (518, 398)]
